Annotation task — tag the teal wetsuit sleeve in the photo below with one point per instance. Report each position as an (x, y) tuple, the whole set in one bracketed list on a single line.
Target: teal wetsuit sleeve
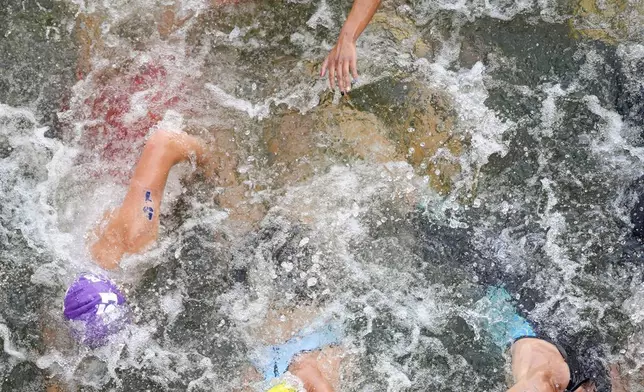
[(273, 361), (499, 318)]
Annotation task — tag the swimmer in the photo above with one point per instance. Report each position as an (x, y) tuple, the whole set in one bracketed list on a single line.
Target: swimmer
[(538, 364), (291, 324), (94, 306), (97, 309), (342, 61), (93, 303)]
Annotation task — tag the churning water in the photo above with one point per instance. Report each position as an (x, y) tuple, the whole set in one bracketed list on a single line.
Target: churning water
[(486, 143)]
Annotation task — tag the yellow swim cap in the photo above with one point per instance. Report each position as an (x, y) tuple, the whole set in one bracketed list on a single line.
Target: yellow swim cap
[(282, 387)]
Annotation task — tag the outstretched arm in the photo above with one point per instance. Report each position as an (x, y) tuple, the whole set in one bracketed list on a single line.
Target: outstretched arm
[(135, 224), (342, 60)]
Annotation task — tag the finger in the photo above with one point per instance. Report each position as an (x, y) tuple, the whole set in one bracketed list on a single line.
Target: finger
[(354, 68), (324, 65), (347, 77), (332, 77), (340, 75), (337, 68)]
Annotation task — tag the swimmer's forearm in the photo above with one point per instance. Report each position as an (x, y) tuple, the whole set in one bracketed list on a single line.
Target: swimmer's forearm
[(134, 225), (160, 154), (154, 165), (361, 13)]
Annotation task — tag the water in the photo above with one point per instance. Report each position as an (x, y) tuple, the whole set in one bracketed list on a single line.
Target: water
[(487, 143)]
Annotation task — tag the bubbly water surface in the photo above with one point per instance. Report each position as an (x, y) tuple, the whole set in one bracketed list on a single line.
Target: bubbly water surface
[(486, 143)]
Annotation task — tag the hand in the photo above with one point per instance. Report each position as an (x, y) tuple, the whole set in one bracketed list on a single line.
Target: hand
[(341, 59)]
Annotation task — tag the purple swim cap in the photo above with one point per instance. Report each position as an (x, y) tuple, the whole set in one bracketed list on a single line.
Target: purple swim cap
[(95, 305)]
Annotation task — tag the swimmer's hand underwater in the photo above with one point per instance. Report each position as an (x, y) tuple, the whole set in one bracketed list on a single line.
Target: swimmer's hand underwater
[(135, 224)]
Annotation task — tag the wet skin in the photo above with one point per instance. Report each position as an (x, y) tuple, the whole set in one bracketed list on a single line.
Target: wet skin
[(135, 224), (537, 366)]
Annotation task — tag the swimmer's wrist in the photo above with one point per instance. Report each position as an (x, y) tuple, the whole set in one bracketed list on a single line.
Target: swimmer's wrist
[(349, 33)]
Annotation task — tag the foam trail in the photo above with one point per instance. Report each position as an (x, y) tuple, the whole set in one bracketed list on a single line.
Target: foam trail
[(469, 92), (227, 100), (322, 16), (6, 337), (612, 130)]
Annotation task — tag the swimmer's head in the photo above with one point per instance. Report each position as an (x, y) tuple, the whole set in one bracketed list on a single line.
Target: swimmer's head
[(282, 387), (96, 308)]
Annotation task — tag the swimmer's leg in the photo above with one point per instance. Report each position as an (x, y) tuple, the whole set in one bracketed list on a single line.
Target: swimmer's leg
[(135, 224)]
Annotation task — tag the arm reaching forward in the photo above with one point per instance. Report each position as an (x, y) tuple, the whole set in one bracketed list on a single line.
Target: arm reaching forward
[(135, 224), (342, 60)]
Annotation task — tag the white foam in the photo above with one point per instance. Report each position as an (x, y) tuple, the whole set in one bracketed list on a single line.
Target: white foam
[(550, 114), (485, 129), (302, 96), (633, 305), (612, 145), (7, 346), (138, 107), (172, 121), (338, 214), (322, 17), (172, 305), (498, 9), (30, 197), (397, 380), (229, 101), (555, 226)]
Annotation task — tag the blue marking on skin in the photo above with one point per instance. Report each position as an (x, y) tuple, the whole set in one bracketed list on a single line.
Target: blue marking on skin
[(148, 196), (149, 211)]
